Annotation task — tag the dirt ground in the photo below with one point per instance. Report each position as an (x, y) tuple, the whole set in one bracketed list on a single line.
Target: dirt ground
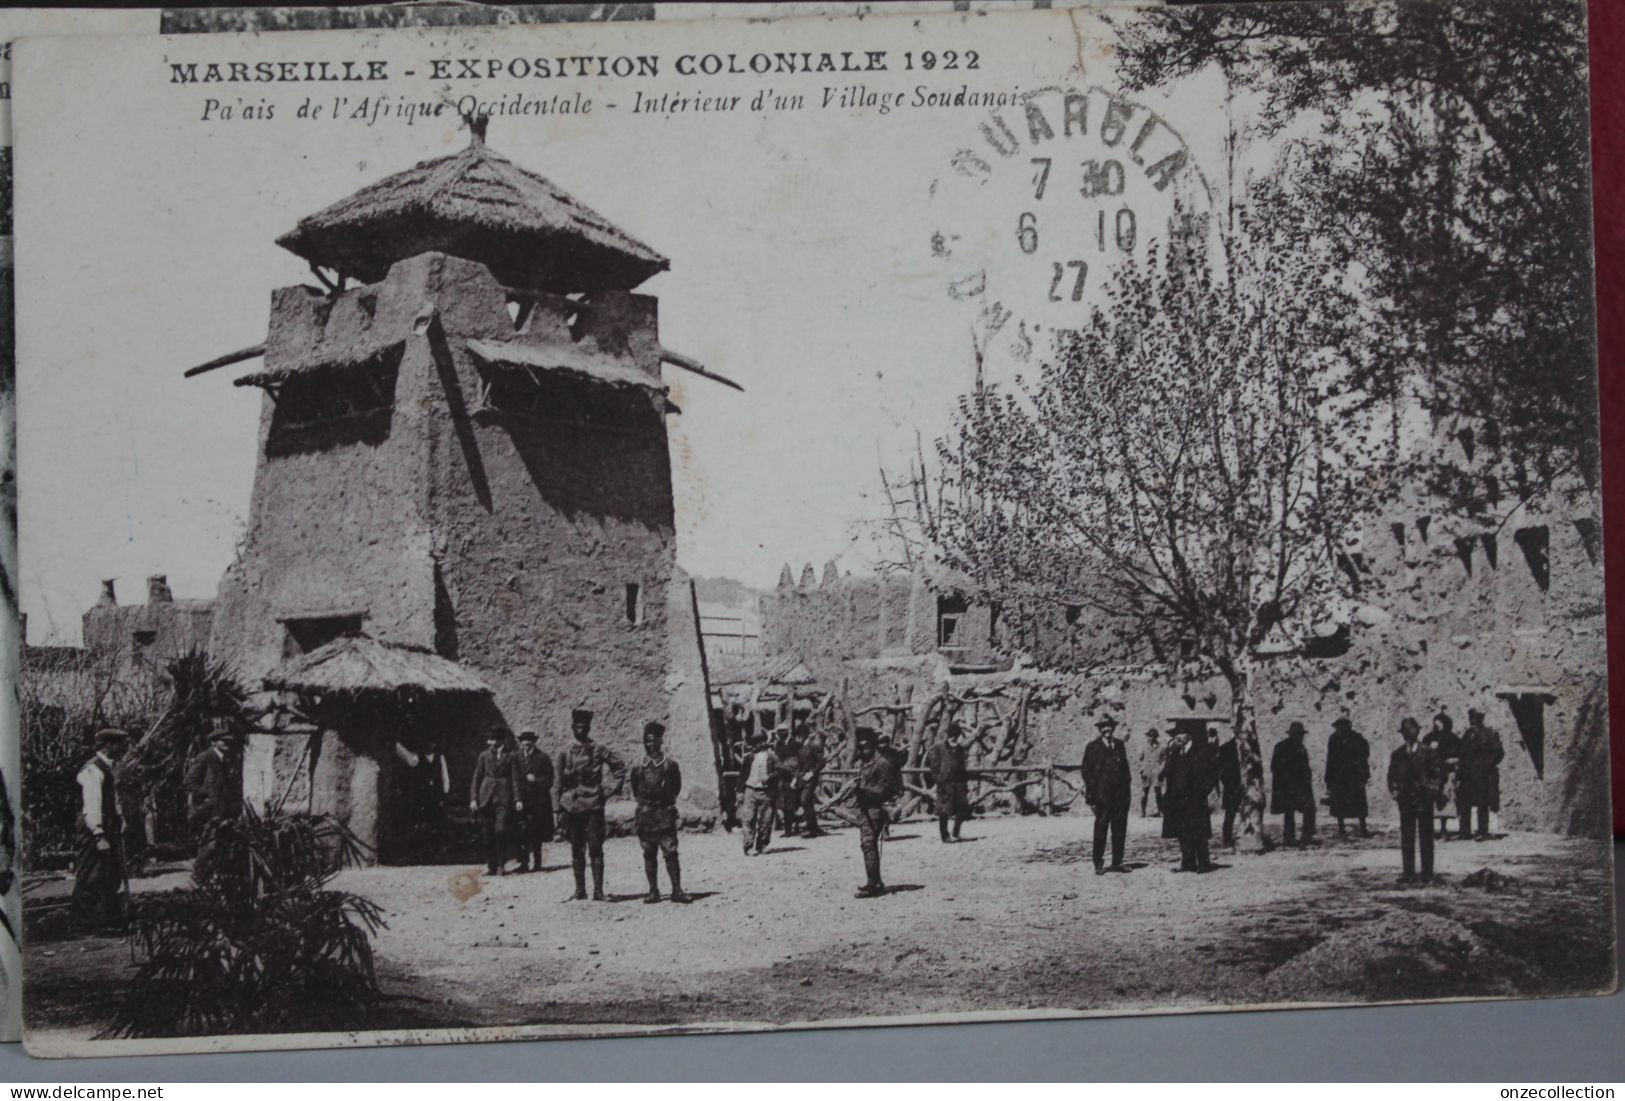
[(1011, 919)]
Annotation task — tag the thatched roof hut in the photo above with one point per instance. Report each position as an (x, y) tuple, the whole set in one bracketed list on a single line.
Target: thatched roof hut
[(481, 206), (357, 664)]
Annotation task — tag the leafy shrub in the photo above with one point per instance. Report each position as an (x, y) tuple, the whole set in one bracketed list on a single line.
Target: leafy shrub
[(259, 942)]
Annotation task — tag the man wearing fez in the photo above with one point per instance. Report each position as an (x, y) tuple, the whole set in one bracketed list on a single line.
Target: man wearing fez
[(1190, 777), (1108, 788), (1414, 780), (214, 789), (1348, 768), (945, 765), (1292, 785), (877, 783), (656, 783), (1479, 774), (98, 878), (493, 796), (533, 780), (582, 798)]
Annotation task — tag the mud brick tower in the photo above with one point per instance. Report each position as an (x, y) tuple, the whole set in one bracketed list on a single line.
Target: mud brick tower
[(462, 514)]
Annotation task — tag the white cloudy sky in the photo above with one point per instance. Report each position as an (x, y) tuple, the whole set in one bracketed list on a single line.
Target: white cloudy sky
[(800, 248)]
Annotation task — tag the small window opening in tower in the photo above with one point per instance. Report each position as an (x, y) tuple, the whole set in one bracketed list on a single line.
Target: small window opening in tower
[(1073, 613), (301, 636), (141, 642), (950, 618), (634, 603)]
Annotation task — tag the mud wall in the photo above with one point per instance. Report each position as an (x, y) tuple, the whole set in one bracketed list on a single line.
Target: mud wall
[(139, 639), (508, 543)]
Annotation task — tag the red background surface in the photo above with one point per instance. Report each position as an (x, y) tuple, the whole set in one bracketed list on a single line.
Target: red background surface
[(1608, 173)]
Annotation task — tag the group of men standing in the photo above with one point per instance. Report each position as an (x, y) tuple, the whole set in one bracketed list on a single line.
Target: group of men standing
[(214, 794), (1191, 769), (512, 793), (779, 777), (1185, 773)]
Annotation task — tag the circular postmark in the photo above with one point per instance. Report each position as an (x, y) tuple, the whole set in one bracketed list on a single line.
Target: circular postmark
[(1057, 190)]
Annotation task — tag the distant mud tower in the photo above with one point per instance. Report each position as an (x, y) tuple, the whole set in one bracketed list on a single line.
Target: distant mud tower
[(463, 460)]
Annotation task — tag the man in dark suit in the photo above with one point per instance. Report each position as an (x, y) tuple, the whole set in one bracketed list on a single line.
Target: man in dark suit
[(1479, 774), (1292, 785), (533, 788), (1414, 782), (214, 790), (1190, 776), (1108, 788), (492, 796)]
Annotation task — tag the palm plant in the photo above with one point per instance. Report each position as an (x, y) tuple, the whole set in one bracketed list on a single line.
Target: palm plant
[(258, 940)]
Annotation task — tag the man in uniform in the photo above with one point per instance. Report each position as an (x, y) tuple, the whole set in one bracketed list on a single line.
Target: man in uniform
[(1108, 788), (945, 765), (1293, 785), (533, 782), (656, 783), (1348, 768), (1479, 774), (98, 879), (214, 790), (582, 798), (493, 796), (1414, 782), (877, 783), (758, 777), (1149, 764), (812, 773)]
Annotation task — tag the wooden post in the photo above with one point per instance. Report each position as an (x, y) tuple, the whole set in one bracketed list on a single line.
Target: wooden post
[(1049, 788)]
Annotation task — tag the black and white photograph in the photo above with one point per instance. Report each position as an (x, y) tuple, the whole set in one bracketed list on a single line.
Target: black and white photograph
[(716, 525)]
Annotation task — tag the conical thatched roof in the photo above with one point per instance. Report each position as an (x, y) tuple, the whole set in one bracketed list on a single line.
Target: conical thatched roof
[(360, 664), (481, 206)]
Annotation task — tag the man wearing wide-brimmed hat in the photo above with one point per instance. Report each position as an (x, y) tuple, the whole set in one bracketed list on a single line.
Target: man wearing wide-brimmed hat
[(99, 885), (1292, 785), (1108, 788)]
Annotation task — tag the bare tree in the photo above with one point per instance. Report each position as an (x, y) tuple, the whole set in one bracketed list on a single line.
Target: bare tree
[(1179, 469)]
